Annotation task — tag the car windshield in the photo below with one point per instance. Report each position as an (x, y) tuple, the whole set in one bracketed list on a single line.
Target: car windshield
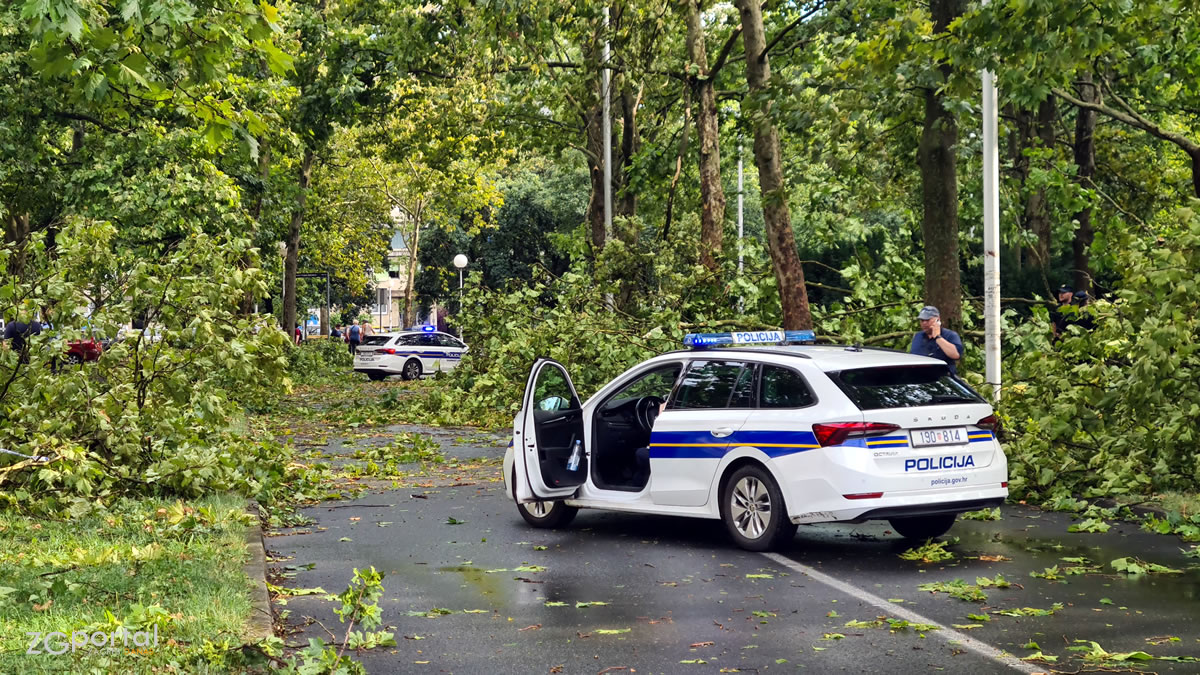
[(903, 387), (376, 340)]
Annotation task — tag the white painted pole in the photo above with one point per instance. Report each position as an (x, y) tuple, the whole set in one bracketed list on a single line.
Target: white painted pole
[(991, 236), (607, 131), (741, 207)]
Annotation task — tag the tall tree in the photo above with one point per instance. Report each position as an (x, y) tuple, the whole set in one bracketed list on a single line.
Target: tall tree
[(1085, 163), (712, 193), (781, 242), (939, 185)]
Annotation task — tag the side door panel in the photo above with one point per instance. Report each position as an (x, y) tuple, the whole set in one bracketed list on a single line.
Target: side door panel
[(551, 424), (686, 447), (690, 438)]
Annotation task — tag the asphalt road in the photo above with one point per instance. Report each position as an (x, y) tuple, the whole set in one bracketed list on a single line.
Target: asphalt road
[(628, 593)]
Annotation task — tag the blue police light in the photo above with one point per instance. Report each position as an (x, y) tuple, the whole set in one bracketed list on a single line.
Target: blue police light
[(760, 337), (425, 328)]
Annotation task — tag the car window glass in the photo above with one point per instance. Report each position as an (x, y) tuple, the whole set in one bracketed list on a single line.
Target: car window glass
[(904, 387), (743, 390), (783, 388), (448, 341), (376, 340), (428, 341), (707, 384), (657, 382), (552, 391), (410, 340)]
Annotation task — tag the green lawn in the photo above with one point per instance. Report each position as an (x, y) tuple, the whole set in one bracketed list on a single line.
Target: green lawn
[(145, 564)]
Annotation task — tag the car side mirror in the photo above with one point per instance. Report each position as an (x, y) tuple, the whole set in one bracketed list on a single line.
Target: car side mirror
[(552, 403)]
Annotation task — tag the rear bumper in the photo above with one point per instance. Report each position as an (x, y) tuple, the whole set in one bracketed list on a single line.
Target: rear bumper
[(902, 505), (886, 512), (378, 366)]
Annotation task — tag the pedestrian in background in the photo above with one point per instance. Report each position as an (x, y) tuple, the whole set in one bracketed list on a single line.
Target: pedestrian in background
[(1058, 318), (354, 337), (18, 334), (935, 341)]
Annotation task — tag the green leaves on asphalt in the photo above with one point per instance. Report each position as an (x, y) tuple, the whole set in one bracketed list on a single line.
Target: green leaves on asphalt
[(1134, 566), (929, 552), (956, 589)]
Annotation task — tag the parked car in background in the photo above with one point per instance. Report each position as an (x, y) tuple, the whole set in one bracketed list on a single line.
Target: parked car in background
[(410, 354), (81, 351)]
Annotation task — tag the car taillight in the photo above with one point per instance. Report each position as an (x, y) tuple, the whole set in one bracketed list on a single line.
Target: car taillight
[(991, 423), (836, 433), (389, 350)]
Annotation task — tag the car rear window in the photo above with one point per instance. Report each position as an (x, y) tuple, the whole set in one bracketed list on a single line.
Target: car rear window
[(376, 340), (903, 387)]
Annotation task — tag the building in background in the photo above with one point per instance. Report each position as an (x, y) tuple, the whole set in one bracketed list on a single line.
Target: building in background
[(390, 287)]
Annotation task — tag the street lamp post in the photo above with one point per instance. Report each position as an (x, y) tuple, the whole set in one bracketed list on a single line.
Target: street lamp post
[(460, 261)]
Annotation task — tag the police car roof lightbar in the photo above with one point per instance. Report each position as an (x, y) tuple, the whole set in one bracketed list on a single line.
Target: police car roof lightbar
[(424, 328), (759, 337)]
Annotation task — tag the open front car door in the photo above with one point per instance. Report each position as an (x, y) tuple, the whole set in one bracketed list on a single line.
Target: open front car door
[(552, 457)]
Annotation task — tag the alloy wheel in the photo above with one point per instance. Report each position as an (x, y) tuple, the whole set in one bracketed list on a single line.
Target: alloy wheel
[(750, 506)]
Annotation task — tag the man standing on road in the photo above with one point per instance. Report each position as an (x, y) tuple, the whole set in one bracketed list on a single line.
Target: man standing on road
[(933, 340), (355, 337)]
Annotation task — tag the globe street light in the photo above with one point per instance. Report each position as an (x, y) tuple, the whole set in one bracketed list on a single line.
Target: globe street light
[(460, 261)]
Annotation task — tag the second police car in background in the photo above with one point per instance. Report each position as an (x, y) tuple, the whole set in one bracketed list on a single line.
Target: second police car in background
[(761, 436), (409, 354)]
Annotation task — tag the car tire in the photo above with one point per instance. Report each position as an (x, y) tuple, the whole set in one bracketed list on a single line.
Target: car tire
[(411, 370), (547, 514), (753, 510), (74, 360), (923, 527), (375, 377)]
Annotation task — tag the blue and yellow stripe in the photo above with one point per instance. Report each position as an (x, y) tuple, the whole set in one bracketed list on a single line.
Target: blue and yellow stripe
[(979, 436), (703, 445), (888, 442)]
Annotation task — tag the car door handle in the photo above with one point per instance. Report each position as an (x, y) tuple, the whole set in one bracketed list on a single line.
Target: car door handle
[(721, 432)]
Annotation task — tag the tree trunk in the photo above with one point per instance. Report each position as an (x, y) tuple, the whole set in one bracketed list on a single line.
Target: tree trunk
[(264, 174), (683, 144), (1036, 211), (781, 241), (414, 249), (712, 193), (16, 232), (626, 197), (293, 244), (1085, 160), (939, 189), (1017, 143), (594, 150)]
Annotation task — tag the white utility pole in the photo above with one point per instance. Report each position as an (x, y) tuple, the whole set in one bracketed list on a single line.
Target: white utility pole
[(606, 79), (991, 236), (741, 206)]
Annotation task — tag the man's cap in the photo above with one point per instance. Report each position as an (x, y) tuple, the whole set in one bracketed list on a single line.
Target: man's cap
[(928, 312), (1081, 295), (1065, 289)]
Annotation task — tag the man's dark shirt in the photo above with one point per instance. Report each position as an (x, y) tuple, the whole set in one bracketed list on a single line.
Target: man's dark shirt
[(923, 346), (17, 331)]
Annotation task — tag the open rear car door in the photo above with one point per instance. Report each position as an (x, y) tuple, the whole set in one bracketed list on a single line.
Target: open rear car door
[(550, 429)]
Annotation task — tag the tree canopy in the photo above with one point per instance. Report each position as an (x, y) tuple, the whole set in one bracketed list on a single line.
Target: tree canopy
[(176, 163)]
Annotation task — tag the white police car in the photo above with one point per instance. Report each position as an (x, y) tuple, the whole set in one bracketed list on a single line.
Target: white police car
[(763, 437), (409, 354)]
